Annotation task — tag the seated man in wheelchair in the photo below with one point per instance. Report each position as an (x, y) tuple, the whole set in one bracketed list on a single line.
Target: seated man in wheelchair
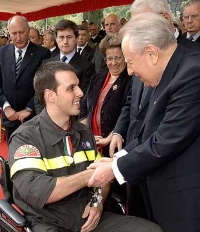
[(48, 159)]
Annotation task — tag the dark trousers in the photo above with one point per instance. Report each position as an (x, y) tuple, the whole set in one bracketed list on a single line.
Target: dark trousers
[(110, 222)]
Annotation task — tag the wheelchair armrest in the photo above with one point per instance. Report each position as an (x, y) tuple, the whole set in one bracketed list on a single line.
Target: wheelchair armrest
[(11, 213)]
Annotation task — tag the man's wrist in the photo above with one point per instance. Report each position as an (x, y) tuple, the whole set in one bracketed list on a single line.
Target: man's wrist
[(119, 136)]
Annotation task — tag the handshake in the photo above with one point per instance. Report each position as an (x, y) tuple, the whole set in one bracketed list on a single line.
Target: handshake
[(103, 173)]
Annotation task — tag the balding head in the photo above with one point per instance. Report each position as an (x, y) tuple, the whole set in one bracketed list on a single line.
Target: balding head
[(19, 31), (112, 24)]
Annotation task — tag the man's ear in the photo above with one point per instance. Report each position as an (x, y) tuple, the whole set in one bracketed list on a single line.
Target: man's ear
[(152, 53), (49, 95)]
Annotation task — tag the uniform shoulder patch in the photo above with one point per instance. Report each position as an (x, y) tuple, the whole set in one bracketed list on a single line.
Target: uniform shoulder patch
[(26, 151)]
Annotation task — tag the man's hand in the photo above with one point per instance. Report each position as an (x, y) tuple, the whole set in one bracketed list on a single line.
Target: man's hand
[(94, 216), (23, 114), (103, 173), (116, 142), (10, 113)]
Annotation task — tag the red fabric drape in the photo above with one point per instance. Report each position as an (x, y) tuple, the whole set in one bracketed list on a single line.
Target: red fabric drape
[(71, 8)]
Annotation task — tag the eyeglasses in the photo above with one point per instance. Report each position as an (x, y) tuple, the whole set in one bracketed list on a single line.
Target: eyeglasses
[(193, 17), (116, 58)]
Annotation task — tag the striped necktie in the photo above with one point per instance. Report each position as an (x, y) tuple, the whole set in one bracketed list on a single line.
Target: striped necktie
[(19, 61)]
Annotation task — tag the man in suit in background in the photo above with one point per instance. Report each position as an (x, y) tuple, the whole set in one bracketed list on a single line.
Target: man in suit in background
[(18, 64), (83, 47), (168, 156), (95, 38), (34, 35), (191, 20), (112, 26), (133, 113), (49, 42), (66, 33)]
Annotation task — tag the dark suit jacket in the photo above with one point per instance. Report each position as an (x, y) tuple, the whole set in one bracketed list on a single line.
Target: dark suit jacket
[(96, 40), (88, 53), (169, 153), (113, 102), (55, 52), (188, 43), (132, 116), (197, 40), (18, 90)]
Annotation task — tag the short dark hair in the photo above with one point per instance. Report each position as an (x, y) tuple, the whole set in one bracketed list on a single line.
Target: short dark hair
[(45, 77), (64, 24)]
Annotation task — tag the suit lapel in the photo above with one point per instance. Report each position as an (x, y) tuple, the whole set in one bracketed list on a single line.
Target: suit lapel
[(10, 59), (167, 77)]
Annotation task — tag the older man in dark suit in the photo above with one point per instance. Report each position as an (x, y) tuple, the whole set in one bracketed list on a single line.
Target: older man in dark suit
[(191, 20), (18, 64), (134, 112), (168, 157)]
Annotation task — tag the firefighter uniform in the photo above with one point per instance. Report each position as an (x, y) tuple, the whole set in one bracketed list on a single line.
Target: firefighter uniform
[(37, 156)]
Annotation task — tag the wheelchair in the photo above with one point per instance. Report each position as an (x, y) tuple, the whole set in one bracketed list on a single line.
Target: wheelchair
[(13, 220)]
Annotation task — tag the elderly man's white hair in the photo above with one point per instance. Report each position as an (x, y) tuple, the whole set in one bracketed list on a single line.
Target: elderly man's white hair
[(148, 28), (156, 6)]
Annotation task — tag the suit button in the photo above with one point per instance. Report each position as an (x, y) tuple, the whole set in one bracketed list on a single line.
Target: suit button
[(138, 119)]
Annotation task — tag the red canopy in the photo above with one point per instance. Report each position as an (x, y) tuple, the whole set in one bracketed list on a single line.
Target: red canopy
[(39, 9)]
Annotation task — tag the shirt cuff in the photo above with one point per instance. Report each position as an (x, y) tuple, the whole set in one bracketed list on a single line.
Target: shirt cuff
[(6, 104), (120, 153), (117, 173)]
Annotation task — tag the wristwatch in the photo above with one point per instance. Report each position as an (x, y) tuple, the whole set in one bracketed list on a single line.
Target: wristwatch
[(28, 109)]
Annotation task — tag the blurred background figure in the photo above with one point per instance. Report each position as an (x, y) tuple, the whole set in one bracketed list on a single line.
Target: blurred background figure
[(3, 40), (177, 23), (102, 31), (84, 23), (95, 38), (123, 21), (191, 19), (83, 47), (34, 35), (49, 41)]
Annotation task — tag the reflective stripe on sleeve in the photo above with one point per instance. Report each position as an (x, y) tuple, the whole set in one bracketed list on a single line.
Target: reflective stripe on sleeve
[(27, 163), (54, 163)]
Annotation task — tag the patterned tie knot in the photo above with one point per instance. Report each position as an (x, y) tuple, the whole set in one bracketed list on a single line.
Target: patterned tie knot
[(64, 58)]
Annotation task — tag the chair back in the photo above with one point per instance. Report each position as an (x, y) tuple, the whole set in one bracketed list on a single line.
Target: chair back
[(5, 181)]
